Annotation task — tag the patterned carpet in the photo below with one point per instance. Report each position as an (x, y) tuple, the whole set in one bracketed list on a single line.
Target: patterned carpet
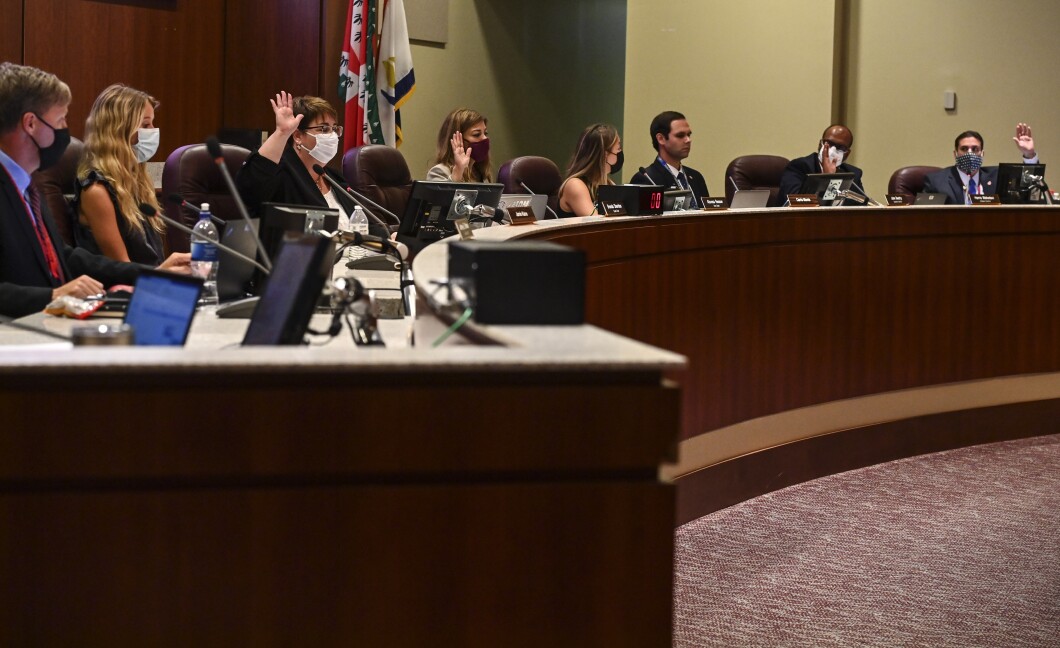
[(959, 548)]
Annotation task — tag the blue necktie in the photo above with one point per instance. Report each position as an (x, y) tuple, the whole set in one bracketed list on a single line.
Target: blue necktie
[(971, 188)]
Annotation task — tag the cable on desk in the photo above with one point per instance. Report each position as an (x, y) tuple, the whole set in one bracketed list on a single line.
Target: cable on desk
[(455, 326)]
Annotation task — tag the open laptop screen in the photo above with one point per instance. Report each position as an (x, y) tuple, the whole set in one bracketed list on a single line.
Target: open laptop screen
[(162, 307), (291, 292)]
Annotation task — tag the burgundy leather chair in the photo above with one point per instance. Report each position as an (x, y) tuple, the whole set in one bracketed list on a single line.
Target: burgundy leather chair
[(382, 175), (910, 179), (756, 172), (56, 186), (540, 174), (191, 172)]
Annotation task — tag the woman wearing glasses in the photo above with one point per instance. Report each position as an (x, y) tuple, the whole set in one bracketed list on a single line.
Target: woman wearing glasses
[(281, 171)]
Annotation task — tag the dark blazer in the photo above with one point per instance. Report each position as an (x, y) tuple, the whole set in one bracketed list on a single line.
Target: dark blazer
[(795, 173), (657, 174), (261, 180), (948, 181), (25, 283)]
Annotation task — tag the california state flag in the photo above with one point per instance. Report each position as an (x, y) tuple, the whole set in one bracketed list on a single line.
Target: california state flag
[(396, 81), (357, 74)]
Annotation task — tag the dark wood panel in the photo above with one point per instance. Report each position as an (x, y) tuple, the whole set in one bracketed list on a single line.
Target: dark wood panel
[(172, 49), (730, 482), (782, 310), (586, 564), (270, 45), (334, 30), (11, 31)]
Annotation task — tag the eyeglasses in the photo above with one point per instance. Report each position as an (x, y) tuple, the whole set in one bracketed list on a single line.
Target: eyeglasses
[(839, 147), (325, 129)]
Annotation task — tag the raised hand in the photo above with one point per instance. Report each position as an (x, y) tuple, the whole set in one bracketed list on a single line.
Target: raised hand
[(1024, 139), (461, 156), (827, 165), (286, 120)]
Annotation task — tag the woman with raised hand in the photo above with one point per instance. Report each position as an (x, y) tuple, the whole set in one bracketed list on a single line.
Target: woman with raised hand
[(597, 156), (463, 151)]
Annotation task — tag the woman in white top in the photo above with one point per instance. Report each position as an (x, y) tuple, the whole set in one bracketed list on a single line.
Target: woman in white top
[(463, 153)]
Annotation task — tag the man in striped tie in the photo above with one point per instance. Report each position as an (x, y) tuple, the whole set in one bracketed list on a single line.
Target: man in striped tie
[(671, 137), (968, 177), (35, 265)]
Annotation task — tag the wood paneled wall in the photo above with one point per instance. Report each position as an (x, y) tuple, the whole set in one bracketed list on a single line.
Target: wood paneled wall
[(212, 63)]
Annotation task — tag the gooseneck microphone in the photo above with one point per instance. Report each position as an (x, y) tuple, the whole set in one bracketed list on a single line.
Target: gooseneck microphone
[(214, 148), (357, 198), (864, 193), (531, 192), (374, 243), (644, 172), (175, 197), (149, 211)]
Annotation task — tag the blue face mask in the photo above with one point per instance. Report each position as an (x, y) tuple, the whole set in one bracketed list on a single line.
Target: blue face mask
[(969, 163)]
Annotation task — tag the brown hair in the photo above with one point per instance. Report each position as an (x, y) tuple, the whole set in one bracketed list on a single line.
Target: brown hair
[(25, 89), (459, 121), (589, 162)]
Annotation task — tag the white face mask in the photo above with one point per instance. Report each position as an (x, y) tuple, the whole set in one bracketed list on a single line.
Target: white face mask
[(835, 155), (326, 148), (146, 144)]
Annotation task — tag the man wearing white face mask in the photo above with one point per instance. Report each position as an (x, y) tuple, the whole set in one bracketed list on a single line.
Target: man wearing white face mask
[(833, 149), (307, 134), (112, 179), (968, 177)]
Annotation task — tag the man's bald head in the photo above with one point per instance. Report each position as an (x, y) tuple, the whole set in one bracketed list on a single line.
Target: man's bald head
[(839, 136)]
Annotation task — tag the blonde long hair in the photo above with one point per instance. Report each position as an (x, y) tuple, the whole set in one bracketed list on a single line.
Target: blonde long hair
[(115, 116), (459, 121), (589, 162)]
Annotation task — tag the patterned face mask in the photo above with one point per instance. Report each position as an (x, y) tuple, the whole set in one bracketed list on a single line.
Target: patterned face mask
[(969, 163)]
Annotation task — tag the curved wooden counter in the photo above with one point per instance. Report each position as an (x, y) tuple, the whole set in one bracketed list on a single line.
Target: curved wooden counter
[(778, 310)]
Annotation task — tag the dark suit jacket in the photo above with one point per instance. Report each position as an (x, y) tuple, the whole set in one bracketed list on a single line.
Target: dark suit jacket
[(261, 180), (948, 181), (657, 174), (25, 283), (795, 175)]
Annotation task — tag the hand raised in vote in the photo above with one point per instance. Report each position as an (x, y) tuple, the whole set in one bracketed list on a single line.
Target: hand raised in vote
[(286, 120), (461, 156), (827, 165), (1024, 139)]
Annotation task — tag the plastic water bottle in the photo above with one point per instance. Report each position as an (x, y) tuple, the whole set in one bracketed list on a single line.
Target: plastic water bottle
[(359, 221), (204, 259)]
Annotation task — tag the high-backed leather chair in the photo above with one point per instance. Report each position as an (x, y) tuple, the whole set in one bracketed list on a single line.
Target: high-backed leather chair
[(191, 172), (540, 174), (909, 180), (756, 172), (56, 186), (381, 174)]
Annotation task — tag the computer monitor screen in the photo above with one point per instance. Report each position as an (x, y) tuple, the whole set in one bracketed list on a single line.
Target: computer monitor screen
[(291, 292), (236, 277), (430, 212), (162, 307), (828, 187), (279, 220), (1021, 184)]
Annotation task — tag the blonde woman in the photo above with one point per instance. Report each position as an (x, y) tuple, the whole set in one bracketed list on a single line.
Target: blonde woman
[(598, 155), (463, 153), (112, 180)]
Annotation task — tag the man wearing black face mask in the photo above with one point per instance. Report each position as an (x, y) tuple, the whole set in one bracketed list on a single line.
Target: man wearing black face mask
[(968, 177), (35, 265), (671, 137)]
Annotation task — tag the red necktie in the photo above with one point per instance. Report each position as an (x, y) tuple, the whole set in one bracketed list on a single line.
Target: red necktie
[(42, 235)]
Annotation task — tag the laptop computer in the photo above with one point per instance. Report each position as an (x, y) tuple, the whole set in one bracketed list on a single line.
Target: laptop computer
[(235, 276), (750, 199), (535, 202), (162, 307), (925, 198), (287, 301)]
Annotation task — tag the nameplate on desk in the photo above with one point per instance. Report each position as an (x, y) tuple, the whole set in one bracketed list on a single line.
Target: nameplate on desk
[(802, 200), (463, 228), (613, 207), (521, 215), (985, 200), (899, 200), (713, 203)]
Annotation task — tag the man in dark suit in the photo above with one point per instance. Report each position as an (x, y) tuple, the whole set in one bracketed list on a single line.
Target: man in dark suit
[(968, 176), (35, 266), (832, 152), (671, 137)]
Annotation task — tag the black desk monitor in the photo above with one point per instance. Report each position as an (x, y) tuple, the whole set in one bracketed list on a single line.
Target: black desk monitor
[(291, 292), (677, 200), (162, 307), (1018, 184), (278, 220), (828, 187), (235, 277), (430, 214)]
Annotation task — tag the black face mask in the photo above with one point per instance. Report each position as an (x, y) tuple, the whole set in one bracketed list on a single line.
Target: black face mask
[(617, 166), (50, 155)]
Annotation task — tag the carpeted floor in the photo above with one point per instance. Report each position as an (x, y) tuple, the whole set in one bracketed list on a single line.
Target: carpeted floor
[(959, 548)]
